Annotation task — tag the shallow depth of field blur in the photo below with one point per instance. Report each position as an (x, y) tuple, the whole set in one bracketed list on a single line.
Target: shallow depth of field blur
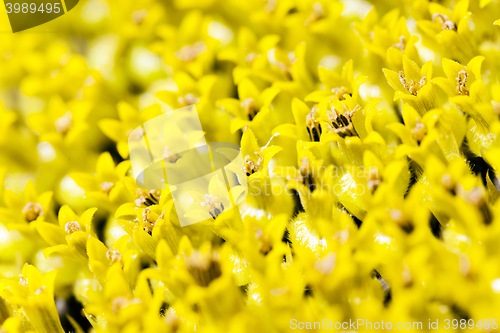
[(370, 137)]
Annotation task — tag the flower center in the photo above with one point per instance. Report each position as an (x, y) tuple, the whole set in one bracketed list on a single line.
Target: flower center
[(446, 23), (114, 256), (402, 43), (251, 57), (169, 156), (340, 93), (32, 210), (138, 16), (147, 197), (461, 82), (313, 125), (373, 179), (72, 227), (187, 99), (203, 267), (413, 87), (342, 121), (214, 206), (135, 135), (418, 133), (402, 220), (189, 52), (106, 187), (265, 245), (316, 14), (64, 123), (23, 280), (477, 197), (248, 104), (250, 166), (148, 223)]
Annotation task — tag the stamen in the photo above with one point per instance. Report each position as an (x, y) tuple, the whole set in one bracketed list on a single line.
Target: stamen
[(250, 166), (119, 303), (248, 104), (188, 99), (448, 183), (32, 211), (316, 14), (340, 93), (402, 220), (204, 267), (136, 134), (418, 133), (169, 156), (106, 187), (326, 264), (139, 15), (413, 87), (64, 123), (446, 23), (39, 290), (114, 256), (313, 125), (72, 227), (147, 197), (189, 52), (172, 320), (251, 57), (342, 122), (265, 245), (23, 280), (402, 43), (373, 179), (214, 206), (461, 82), (477, 197), (148, 223)]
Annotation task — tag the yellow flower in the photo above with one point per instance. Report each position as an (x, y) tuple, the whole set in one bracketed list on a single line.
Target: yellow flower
[(23, 209), (253, 108), (388, 38), (449, 31), (337, 86), (430, 132), (466, 89), (250, 56), (130, 119), (62, 124), (188, 47), (413, 85), (189, 91), (70, 236), (266, 192), (34, 293), (106, 185)]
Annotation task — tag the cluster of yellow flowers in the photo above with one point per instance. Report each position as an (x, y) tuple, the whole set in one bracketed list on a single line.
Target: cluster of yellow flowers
[(370, 132)]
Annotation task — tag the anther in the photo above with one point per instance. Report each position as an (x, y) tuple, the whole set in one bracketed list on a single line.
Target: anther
[(461, 82), (72, 227), (248, 104), (418, 133), (32, 211), (413, 87), (214, 206)]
